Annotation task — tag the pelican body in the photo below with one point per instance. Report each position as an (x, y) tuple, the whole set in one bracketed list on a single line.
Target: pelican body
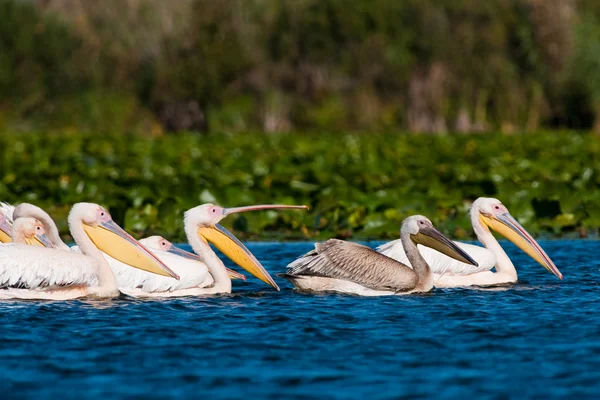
[(347, 267), (32, 272), (486, 214)]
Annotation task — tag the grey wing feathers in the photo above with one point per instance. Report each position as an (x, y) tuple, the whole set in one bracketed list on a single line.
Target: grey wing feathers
[(356, 263)]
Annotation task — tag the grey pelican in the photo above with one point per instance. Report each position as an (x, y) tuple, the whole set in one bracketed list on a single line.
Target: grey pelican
[(347, 267)]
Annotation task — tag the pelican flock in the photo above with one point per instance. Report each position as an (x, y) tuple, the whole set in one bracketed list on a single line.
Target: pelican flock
[(35, 263), (32, 272), (202, 273), (486, 214)]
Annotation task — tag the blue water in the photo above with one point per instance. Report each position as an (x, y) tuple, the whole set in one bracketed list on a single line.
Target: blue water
[(538, 338)]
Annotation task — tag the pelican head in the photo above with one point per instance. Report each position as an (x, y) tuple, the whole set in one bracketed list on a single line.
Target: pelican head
[(422, 232), (110, 238), (494, 215), (30, 231), (162, 244), (204, 221), (5, 230)]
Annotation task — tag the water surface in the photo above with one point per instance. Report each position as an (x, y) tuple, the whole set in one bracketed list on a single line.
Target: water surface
[(540, 337)]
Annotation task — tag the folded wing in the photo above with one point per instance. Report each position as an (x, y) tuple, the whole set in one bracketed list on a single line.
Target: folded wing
[(192, 274), (353, 262), (28, 267)]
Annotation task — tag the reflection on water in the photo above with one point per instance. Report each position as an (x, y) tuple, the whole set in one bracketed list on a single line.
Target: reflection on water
[(537, 338)]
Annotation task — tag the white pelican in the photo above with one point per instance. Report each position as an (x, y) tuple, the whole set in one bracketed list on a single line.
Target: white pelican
[(205, 273), (30, 272), (29, 231), (27, 210), (486, 214), (153, 243), (349, 267)]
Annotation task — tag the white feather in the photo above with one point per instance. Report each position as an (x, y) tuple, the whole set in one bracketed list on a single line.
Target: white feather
[(193, 274), (8, 211), (31, 267)]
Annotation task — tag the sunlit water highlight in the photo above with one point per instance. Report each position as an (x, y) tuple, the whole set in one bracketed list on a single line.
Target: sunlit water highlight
[(540, 337)]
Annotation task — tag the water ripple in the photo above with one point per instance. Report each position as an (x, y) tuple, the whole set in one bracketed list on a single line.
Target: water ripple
[(537, 338)]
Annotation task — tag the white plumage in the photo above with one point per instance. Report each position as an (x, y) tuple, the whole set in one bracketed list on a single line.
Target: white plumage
[(195, 278), (135, 282), (7, 210), (31, 267), (31, 272)]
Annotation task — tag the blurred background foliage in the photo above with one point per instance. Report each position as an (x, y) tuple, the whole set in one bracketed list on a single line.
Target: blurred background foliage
[(303, 101), (357, 185), (280, 65)]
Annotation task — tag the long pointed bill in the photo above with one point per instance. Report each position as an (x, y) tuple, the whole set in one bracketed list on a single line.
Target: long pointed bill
[(182, 253), (114, 241), (235, 210), (235, 275), (506, 225), (40, 240), (235, 251), (431, 237), (5, 230)]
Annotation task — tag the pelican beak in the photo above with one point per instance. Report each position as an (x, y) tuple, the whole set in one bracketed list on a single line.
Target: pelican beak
[(235, 251), (431, 237), (5, 231), (235, 210), (114, 241), (235, 275), (506, 225), (182, 253), (40, 240)]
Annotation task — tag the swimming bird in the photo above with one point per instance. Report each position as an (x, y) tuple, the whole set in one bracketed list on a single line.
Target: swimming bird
[(153, 243), (204, 273), (28, 210), (347, 267), (486, 214), (31, 272)]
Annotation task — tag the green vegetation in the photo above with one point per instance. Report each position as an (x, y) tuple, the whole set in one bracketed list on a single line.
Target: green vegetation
[(357, 185), (284, 65)]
